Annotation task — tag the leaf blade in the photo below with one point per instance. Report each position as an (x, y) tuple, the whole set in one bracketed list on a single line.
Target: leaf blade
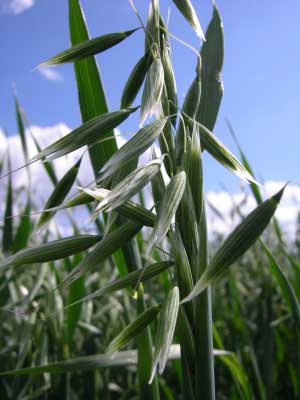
[(237, 243), (50, 251), (87, 48)]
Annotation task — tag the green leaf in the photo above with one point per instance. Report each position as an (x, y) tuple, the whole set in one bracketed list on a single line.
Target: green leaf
[(165, 330), (130, 280), (49, 168), (87, 48), (21, 128), (135, 81), (50, 251), (212, 55), (134, 328), (118, 359), (91, 94), (88, 133), (189, 108), (187, 10), (237, 371), (92, 101), (284, 284), (217, 150), (76, 291), (7, 237), (170, 202), (237, 243), (24, 229), (59, 193), (254, 188), (133, 148), (105, 248)]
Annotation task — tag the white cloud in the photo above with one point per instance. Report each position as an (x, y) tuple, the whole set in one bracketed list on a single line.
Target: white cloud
[(51, 74), (15, 6)]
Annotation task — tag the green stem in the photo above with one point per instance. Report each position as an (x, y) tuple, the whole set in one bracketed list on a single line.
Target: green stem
[(145, 356), (204, 374)]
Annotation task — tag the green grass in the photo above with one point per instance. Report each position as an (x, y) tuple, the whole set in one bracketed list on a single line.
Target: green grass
[(146, 306)]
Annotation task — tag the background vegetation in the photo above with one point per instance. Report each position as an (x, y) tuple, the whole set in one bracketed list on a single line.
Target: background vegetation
[(125, 310)]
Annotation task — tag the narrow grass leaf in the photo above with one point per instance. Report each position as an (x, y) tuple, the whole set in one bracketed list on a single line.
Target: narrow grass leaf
[(189, 108), (48, 166), (133, 148), (7, 235), (135, 81), (165, 330), (87, 48), (105, 248), (23, 230), (220, 153), (50, 251), (237, 243), (169, 204), (254, 188), (130, 280), (88, 134), (91, 94), (59, 193), (117, 359), (21, 128), (284, 284), (76, 291), (152, 90), (134, 328), (187, 10), (237, 371), (212, 55)]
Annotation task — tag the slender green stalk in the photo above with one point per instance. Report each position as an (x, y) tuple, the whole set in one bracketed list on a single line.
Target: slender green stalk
[(204, 368)]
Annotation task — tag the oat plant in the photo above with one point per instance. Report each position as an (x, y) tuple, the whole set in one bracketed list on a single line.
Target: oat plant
[(135, 243)]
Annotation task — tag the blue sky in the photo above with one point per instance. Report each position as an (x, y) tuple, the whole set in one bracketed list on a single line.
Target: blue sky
[(261, 72)]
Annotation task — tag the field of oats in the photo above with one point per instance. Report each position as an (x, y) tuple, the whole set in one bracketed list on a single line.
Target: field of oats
[(146, 300)]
